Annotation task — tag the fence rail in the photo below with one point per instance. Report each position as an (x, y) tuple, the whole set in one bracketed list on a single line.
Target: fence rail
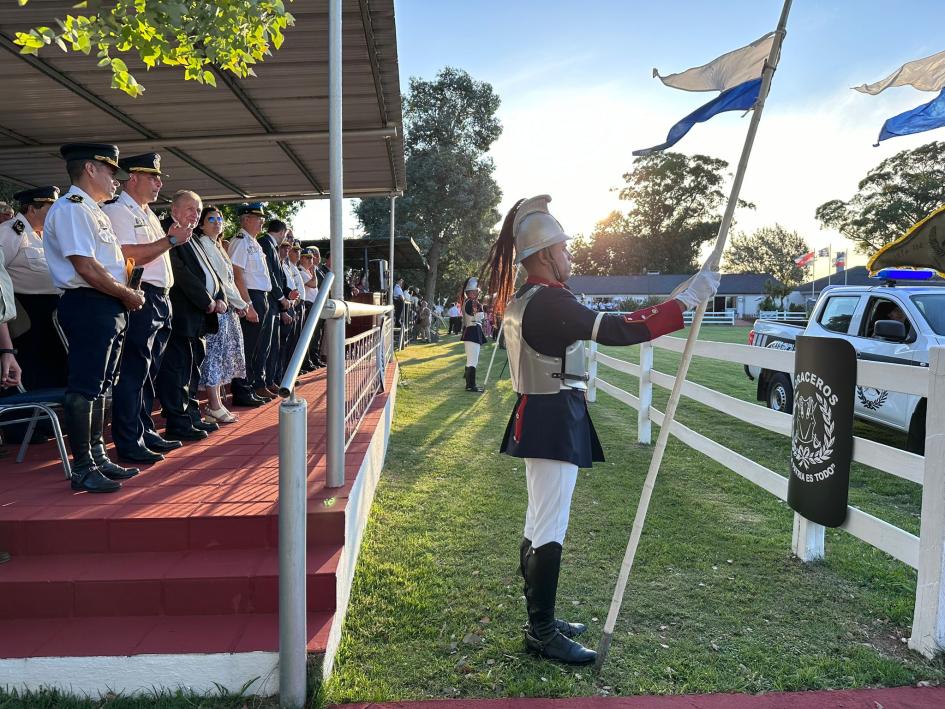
[(783, 315), (724, 317), (923, 552)]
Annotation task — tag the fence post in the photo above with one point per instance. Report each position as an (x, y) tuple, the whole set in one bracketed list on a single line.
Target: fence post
[(644, 425), (592, 372), (928, 622), (807, 540)]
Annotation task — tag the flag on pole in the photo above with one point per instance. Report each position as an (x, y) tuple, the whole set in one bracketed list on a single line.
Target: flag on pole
[(823, 253), (737, 75), (926, 74), (923, 246), (840, 260), (804, 259)]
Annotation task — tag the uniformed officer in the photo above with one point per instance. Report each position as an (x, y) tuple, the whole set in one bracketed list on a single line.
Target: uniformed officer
[(473, 337), (251, 273), (280, 305), (21, 241), (142, 238), (544, 329), (86, 262)]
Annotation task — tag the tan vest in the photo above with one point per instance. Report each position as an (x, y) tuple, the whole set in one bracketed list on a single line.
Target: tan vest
[(533, 372)]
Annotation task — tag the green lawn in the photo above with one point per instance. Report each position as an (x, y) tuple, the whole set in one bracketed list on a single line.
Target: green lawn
[(715, 603)]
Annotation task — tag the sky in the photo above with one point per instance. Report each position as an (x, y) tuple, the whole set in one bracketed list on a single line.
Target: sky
[(578, 95)]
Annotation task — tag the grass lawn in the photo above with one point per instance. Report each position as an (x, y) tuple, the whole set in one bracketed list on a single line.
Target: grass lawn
[(715, 602)]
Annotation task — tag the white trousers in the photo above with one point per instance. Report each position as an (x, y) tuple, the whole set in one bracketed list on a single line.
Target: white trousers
[(472, 353), (550, 487)]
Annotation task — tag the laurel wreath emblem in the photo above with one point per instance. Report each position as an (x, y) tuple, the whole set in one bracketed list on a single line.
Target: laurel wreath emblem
[(820, 451), (872, 404)]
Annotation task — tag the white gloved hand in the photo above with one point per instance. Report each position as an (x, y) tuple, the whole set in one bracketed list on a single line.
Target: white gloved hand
[(699, 288)]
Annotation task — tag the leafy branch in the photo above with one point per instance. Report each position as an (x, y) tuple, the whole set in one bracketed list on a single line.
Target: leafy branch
[(231, 35)]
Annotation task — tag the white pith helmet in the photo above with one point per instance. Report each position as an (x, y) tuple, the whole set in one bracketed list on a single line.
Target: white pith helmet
[(534, 228), (471, 284)]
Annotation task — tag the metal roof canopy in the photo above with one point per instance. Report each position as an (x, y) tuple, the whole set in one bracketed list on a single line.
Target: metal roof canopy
[(407, 254), (253, 138)]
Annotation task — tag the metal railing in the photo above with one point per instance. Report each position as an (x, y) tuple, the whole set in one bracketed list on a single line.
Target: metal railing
[(366, 358)]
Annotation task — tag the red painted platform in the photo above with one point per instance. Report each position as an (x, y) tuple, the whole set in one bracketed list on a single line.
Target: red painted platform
[(183, 559)]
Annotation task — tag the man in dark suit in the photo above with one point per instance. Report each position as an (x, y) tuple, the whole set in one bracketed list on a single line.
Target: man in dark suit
[(279, 297), (196, 298)]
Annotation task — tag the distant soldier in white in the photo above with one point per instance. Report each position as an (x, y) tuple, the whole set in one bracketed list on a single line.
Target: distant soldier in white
[(21, 241), (544, 330), (473, 337)]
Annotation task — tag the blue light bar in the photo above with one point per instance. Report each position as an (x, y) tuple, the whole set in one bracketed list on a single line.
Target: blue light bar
[(905, 274)]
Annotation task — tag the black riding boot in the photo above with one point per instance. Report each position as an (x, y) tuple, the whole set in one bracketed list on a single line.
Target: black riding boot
[(97, 445), (570, 630), (77, 422), (471, 380), (542, 566)]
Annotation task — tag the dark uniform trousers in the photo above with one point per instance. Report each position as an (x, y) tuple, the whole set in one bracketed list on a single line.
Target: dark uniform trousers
[(257, 338), (149, 330), (177, 385), (277, 341), (94, 324), (40, 347)]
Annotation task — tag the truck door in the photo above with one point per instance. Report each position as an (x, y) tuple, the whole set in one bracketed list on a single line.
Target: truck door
[(886, 406)]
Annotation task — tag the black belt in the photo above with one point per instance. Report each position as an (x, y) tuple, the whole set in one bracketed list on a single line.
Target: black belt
[(150, 288)]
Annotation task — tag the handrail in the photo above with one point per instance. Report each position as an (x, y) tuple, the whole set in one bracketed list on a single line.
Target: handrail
[(305, 338), (346, 309)]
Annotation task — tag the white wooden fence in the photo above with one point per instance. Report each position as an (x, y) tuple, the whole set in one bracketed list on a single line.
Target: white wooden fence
[(724, 317), (785, 315), (925, 553)]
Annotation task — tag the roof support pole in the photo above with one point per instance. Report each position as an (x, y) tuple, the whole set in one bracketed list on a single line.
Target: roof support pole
[(390, 264)]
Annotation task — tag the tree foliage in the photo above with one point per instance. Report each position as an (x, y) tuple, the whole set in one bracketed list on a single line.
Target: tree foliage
[(894, 195), (769, 250), (231, 35), (449, 205), (674, 209)]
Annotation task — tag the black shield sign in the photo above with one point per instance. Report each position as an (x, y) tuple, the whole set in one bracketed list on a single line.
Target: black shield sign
[(822, 436)]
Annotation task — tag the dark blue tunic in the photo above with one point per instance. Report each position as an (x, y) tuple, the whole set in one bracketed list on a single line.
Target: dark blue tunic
[(473, 333)]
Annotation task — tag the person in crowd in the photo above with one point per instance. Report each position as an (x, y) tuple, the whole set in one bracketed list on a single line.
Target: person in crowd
[(545, 330), (251, 274), (473, 337), (320, 271), (455, 319), (21, 241), (225, 358), (86, 262), (197, 298), (424, 320), (398, 301), (310, 291), (6, 212), (279, 305), (144, 241), (298, 284), (10, 372), (285, 328)]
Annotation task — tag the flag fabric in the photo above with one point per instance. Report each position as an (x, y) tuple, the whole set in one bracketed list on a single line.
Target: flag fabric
[(823, 253), (921, 118), (924, 74), (737, 75), (923, 246), (804, 259), (840, 260)]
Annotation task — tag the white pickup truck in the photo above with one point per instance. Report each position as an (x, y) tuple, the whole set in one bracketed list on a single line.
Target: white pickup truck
[(884, 323)]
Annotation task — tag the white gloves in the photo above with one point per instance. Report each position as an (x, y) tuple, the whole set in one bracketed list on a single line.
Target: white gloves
[(697, 289)]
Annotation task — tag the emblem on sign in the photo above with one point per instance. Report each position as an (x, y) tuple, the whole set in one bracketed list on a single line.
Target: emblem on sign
[(814, 438)]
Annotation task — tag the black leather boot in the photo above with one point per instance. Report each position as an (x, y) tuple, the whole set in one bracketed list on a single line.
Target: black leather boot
[(97, 445), (569, 630), (77, 422), (542, 566), (471, 380)]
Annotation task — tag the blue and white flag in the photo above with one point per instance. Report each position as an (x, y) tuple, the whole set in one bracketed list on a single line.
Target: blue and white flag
[(736, 74), (926, 74)]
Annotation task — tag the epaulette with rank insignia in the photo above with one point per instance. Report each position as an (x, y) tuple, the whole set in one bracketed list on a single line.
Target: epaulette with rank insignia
[(18, 226), (110, 201), (238, 236), (77, 198)]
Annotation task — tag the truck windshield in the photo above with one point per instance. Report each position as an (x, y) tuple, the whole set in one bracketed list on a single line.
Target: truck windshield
[(932, 307)]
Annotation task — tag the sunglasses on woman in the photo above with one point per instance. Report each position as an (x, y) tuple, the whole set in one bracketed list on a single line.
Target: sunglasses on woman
[(215, 220)]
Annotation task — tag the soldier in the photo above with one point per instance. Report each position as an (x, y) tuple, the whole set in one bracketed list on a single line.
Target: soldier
[(473, 337), (86, 262), (142, 238), (251, 273), (21, 240), (544, 330)]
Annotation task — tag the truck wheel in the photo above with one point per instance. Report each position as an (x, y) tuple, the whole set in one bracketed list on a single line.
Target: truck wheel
[(915, 443), (780, 393)]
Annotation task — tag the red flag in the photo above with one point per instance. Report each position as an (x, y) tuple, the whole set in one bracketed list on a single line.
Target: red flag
[(804, 259)]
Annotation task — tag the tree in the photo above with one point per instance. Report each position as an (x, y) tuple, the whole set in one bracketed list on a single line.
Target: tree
[(770, 250), (449, 205), (894, 195), (675, 202), (229, 35)]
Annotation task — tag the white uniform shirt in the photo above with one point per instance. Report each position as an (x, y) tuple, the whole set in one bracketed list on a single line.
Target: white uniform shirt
[(289, 270), (398, 291), (246, 253), (453, 312), (310, 293), (221, 264), (133, 224), (298, 279), (25, 258), (77, 226), (7, 304)]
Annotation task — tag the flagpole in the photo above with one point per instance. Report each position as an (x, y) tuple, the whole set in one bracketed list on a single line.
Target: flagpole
[(829, 262), (712, 264)]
